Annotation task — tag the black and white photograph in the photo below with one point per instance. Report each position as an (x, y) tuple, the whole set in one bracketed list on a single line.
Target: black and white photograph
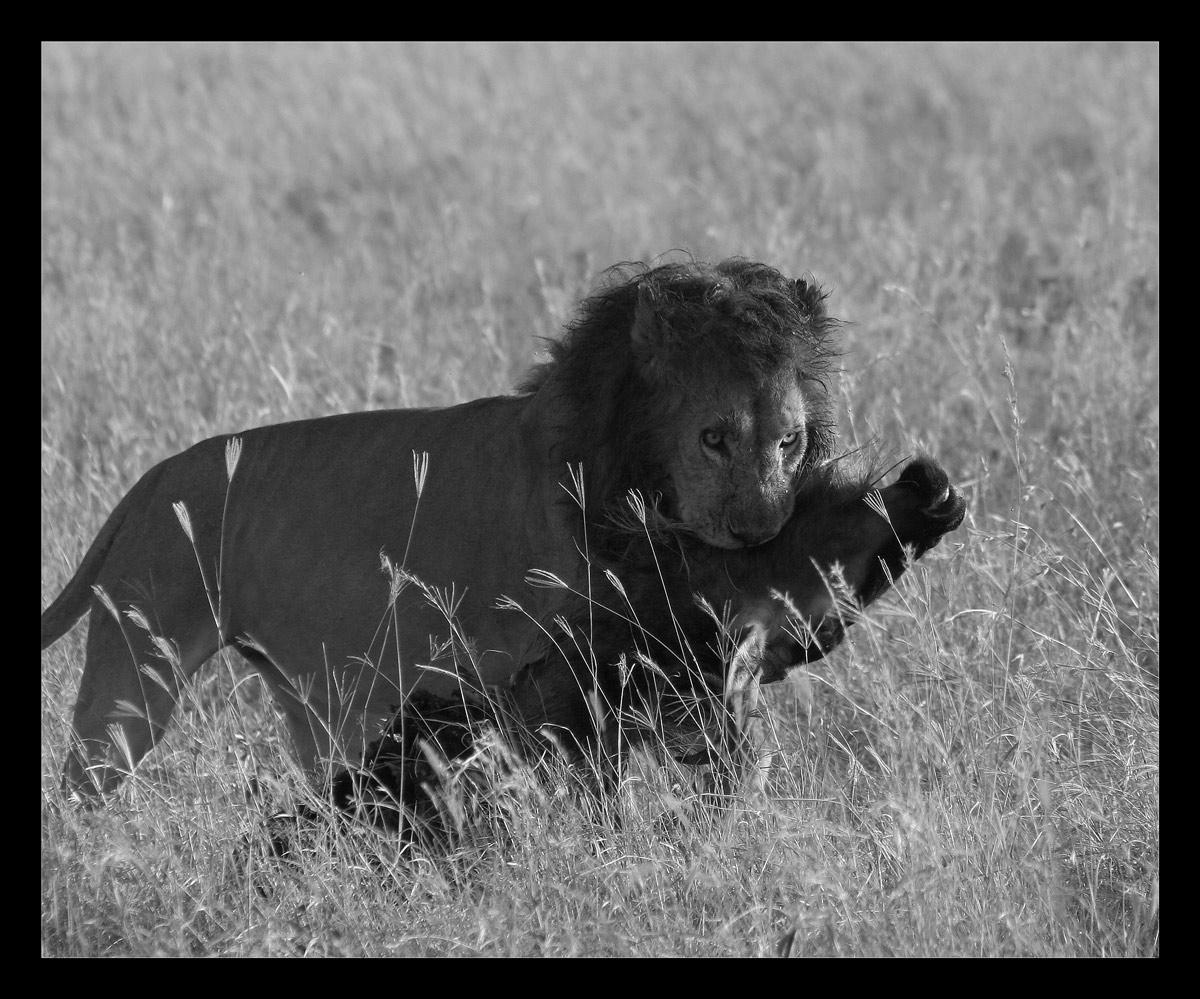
[(600, 499)]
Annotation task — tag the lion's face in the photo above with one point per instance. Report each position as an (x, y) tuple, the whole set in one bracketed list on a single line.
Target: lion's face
[(700, 385), (733, 461)]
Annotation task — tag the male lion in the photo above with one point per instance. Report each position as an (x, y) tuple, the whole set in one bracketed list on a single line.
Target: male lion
[(641, 659), (699, 385)]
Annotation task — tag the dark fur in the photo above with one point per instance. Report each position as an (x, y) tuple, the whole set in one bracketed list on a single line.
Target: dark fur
[(670, 663), (689, 643), (735, 320), (402, 764)]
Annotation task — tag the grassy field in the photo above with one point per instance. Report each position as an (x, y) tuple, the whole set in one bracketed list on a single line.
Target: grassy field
[(241, 234)]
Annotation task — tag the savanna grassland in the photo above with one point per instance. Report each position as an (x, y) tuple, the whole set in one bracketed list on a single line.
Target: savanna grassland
[(235, 235)]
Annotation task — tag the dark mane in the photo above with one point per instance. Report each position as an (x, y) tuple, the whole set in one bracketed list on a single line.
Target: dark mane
[(652, 336)]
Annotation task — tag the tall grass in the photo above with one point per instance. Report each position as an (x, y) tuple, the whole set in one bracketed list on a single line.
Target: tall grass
[(240, 234)]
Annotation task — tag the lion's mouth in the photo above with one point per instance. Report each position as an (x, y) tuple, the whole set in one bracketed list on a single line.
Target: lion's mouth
[(726, 540), (756, 538)]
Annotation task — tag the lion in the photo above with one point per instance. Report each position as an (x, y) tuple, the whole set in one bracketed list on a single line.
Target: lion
[(703, 386), (673, 650)]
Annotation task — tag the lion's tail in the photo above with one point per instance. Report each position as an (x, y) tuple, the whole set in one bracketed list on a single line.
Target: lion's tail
[(76, 596)]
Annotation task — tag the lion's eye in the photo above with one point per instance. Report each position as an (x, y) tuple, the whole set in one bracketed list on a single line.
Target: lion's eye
[(711, 439), (789, 440)]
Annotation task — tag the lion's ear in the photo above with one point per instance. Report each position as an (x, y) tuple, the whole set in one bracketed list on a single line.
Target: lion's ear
[(809, 299)]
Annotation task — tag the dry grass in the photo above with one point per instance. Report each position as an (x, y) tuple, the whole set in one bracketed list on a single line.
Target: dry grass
[(235, 235)]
